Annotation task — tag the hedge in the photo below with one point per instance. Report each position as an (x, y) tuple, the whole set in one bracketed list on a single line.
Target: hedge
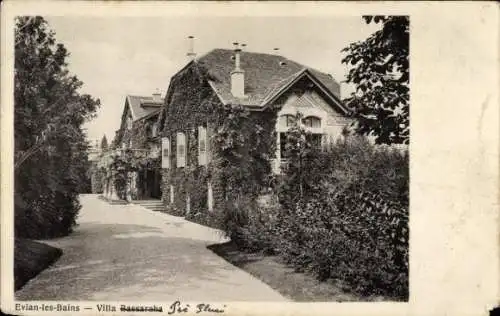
[(339, 213)]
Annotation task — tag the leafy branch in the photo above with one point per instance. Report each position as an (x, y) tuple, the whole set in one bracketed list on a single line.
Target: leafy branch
[(379, 69)]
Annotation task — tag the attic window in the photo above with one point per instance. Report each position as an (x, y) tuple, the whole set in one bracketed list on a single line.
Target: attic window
[(282, 63), (232, 57)]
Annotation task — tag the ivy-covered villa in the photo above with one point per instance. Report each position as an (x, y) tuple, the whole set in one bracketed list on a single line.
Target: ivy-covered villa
[(224, 120), (135, 151)]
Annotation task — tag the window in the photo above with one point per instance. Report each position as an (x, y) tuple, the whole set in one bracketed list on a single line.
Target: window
[(283, 149), (286, 120), (129, 122), (181, 150), (165, 158), (154, 130), (289, 120), (312, 122), (202, 145)]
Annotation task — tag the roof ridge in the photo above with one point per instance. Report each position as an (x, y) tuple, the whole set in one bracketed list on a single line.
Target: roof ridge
[(139, 96), (317, 70), (242, 52)]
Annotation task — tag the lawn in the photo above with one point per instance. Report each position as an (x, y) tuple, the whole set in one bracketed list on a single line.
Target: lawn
[(297, 286), (31, 258)]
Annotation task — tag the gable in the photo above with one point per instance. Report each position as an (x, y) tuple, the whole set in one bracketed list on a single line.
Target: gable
[(313, 105), (127, 112), (189, 95), (305, 93)]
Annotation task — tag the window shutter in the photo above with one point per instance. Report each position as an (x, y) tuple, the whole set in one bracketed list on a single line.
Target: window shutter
[(210, 196), (171, 194), (202, 146), (181, 150), (209, 133), (165, 156)]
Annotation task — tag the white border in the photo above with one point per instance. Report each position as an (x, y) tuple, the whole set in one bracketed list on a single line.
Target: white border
[(454, 146)]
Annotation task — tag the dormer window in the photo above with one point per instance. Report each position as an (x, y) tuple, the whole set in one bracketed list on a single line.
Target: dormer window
[(129, 123), (154, 130)]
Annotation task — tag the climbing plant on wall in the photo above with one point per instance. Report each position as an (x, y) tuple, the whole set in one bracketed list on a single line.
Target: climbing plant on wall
[(241, 143), (126, 162)]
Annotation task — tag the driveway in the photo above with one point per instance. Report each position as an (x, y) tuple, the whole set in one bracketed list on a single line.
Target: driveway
[(126, 252)]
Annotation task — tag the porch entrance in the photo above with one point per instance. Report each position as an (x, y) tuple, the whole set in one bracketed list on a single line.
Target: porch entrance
[(150, 184)]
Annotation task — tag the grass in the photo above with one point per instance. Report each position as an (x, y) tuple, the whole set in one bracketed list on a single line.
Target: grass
[(31, 258), (297, 286)]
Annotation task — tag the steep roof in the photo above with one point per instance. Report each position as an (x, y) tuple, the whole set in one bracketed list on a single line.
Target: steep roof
[(265, 74), (142, 106)]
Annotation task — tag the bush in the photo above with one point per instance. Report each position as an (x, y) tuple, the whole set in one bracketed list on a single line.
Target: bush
[(46, 199), (234, 217), (342, 214), (261, 230), (345, 215), (50, 148)]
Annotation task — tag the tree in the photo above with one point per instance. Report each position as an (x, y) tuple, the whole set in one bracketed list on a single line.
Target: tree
[(50, 147), (379, 68), (104, 143)]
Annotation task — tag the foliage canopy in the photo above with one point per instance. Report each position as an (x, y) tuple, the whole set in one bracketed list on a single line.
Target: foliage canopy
[(51, 164), (379, 68)]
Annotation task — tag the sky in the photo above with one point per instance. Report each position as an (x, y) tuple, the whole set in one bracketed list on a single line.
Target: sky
[(116, 56)]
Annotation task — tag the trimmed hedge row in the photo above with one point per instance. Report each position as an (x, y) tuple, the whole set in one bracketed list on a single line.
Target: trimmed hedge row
[(340, 213)]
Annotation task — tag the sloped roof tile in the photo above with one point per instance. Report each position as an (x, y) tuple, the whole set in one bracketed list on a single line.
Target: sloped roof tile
[(264, 75), (142, 106)]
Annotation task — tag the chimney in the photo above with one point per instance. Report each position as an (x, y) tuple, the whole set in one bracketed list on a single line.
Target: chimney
[(191, 54), (157, 96), (237, 75)]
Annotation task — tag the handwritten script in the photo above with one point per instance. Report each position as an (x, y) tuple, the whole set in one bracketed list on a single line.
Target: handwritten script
[(178, 308)]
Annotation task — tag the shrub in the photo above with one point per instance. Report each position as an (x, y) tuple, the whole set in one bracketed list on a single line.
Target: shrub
[(342, 214), (233, 217), (345, 215), (260, 230), (50, 149)]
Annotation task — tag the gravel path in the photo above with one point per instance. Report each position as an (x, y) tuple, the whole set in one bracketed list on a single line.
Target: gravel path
[(129, 253)]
